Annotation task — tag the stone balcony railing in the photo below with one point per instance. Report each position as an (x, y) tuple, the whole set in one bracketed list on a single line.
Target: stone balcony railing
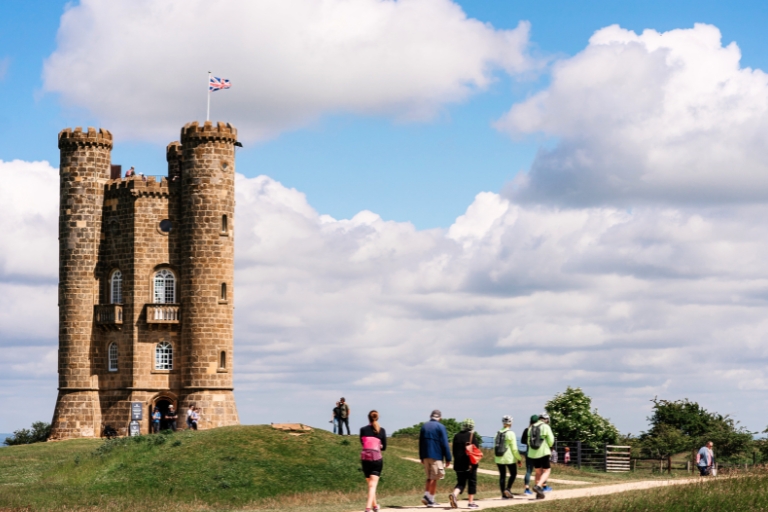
[(108, 315), (163, 313)]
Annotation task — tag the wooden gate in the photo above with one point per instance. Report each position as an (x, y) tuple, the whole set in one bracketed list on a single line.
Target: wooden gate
[(617, 458)]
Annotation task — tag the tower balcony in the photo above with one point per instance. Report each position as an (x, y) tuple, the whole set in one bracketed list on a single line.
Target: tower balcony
[(108, 316), (163, 314)]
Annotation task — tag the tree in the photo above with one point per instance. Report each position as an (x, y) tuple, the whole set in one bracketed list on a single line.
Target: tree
[(38, 434), (681, 425), (573, 419)]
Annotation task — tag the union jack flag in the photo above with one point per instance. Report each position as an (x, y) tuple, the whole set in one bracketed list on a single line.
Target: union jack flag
[(216, 84)]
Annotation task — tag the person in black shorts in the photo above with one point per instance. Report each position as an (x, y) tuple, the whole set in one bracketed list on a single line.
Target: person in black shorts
[(374, 441)]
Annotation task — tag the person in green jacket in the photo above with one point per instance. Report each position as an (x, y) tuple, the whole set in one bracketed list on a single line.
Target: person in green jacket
[(506, 441), (540, 441)]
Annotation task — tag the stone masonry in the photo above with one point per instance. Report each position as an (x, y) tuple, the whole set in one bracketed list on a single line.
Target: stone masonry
[(146, 280)]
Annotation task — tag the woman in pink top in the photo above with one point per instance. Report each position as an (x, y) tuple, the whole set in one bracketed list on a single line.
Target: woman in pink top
[(374, 441)]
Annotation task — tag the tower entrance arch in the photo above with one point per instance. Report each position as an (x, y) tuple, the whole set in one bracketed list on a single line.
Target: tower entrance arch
[(163, 403)]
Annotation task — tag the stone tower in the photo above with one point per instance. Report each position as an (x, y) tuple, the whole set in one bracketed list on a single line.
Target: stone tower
[(145, 283)]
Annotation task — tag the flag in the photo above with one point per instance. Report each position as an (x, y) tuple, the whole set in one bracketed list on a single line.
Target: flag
[(216, 84)]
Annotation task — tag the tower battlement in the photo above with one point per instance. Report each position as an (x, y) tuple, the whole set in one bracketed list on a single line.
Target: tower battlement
[(69, 139), (223, 132), (146, 284)]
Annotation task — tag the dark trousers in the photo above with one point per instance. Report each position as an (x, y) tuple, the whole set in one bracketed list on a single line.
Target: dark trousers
[(528, 470), (342, 422), (704, 470), (155, 426), (464, 477), (503, 484)]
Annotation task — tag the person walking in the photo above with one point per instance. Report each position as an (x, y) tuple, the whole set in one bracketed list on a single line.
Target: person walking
[(433, 450), (540, 441), (466, 472), (528, 462), (343, 416), (705, 459), (335, 418), (374, 441), (506, 456)]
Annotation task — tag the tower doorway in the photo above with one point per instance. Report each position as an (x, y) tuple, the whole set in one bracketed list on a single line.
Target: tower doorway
[(163, 403)]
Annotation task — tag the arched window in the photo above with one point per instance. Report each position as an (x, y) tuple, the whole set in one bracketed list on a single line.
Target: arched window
[(163, 356), (223, 291), (165, 287), (112, 356), (116, 287), (224, 224), (223, 359)]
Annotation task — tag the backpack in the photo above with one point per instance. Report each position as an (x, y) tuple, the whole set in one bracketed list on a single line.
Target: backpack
[(534, 434), (371, 448), (500, 444)]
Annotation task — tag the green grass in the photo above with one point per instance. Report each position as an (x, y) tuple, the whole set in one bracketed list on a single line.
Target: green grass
[(742, 493), (223, 469)]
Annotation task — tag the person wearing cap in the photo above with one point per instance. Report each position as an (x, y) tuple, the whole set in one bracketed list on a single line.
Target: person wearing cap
[(540, 454), (433, 450), (505, 438), (466, 472)]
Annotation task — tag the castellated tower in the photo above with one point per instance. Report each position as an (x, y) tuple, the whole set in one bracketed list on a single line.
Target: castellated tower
[(145, 284)]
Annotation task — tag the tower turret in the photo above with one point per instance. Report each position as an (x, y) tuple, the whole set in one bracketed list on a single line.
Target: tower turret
[(84, 169), (207, 209)]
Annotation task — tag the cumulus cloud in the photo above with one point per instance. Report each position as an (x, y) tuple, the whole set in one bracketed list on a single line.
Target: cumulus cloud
[(669, 117), (290, 61)]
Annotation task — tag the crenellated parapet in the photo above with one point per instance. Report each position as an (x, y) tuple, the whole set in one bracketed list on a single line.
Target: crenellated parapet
[(136, 187), (71, 139), (208, 132)]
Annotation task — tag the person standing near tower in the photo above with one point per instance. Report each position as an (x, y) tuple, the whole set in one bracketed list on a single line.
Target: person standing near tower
[(343, 416)]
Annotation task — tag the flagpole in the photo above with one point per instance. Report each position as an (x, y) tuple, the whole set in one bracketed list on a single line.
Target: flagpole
[(208, 111)]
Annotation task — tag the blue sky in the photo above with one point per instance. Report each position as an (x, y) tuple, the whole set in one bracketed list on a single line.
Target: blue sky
[(422, 172), (550, 210)]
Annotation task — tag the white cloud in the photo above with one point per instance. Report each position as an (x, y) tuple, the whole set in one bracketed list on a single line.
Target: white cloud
[(491, 316), (669, 117), (290, 61)]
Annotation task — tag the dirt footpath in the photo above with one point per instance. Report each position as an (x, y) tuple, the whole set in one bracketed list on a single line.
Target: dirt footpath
[(557, 495)]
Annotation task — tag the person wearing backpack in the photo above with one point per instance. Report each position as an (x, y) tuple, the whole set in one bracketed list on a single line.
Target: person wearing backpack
[(343, 416), (540, 441), (466, 471), (374, 441), (528, 462), (505, 456)]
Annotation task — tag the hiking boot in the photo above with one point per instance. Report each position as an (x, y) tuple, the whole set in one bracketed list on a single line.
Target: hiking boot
[(434, 504), (528, 492), (539, 492), (547, 488), (508, 494), (473, 505), (428, 502), (452, 499)]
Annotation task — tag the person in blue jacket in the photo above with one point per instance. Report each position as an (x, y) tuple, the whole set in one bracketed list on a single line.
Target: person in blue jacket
[(433, 450)]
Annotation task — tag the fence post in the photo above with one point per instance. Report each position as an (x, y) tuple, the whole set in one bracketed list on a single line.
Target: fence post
[(605, 458), (578, 453), (669, 464)]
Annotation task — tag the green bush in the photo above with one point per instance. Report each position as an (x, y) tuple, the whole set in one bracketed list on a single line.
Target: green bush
[(38, 434)]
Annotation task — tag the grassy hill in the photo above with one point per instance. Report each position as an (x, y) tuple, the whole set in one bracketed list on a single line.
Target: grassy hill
[(222, 469)]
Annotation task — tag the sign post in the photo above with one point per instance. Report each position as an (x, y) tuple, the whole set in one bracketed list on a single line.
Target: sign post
[(137, 414)]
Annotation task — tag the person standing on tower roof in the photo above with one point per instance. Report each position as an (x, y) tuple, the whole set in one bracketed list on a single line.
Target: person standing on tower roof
[(433, 449)]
